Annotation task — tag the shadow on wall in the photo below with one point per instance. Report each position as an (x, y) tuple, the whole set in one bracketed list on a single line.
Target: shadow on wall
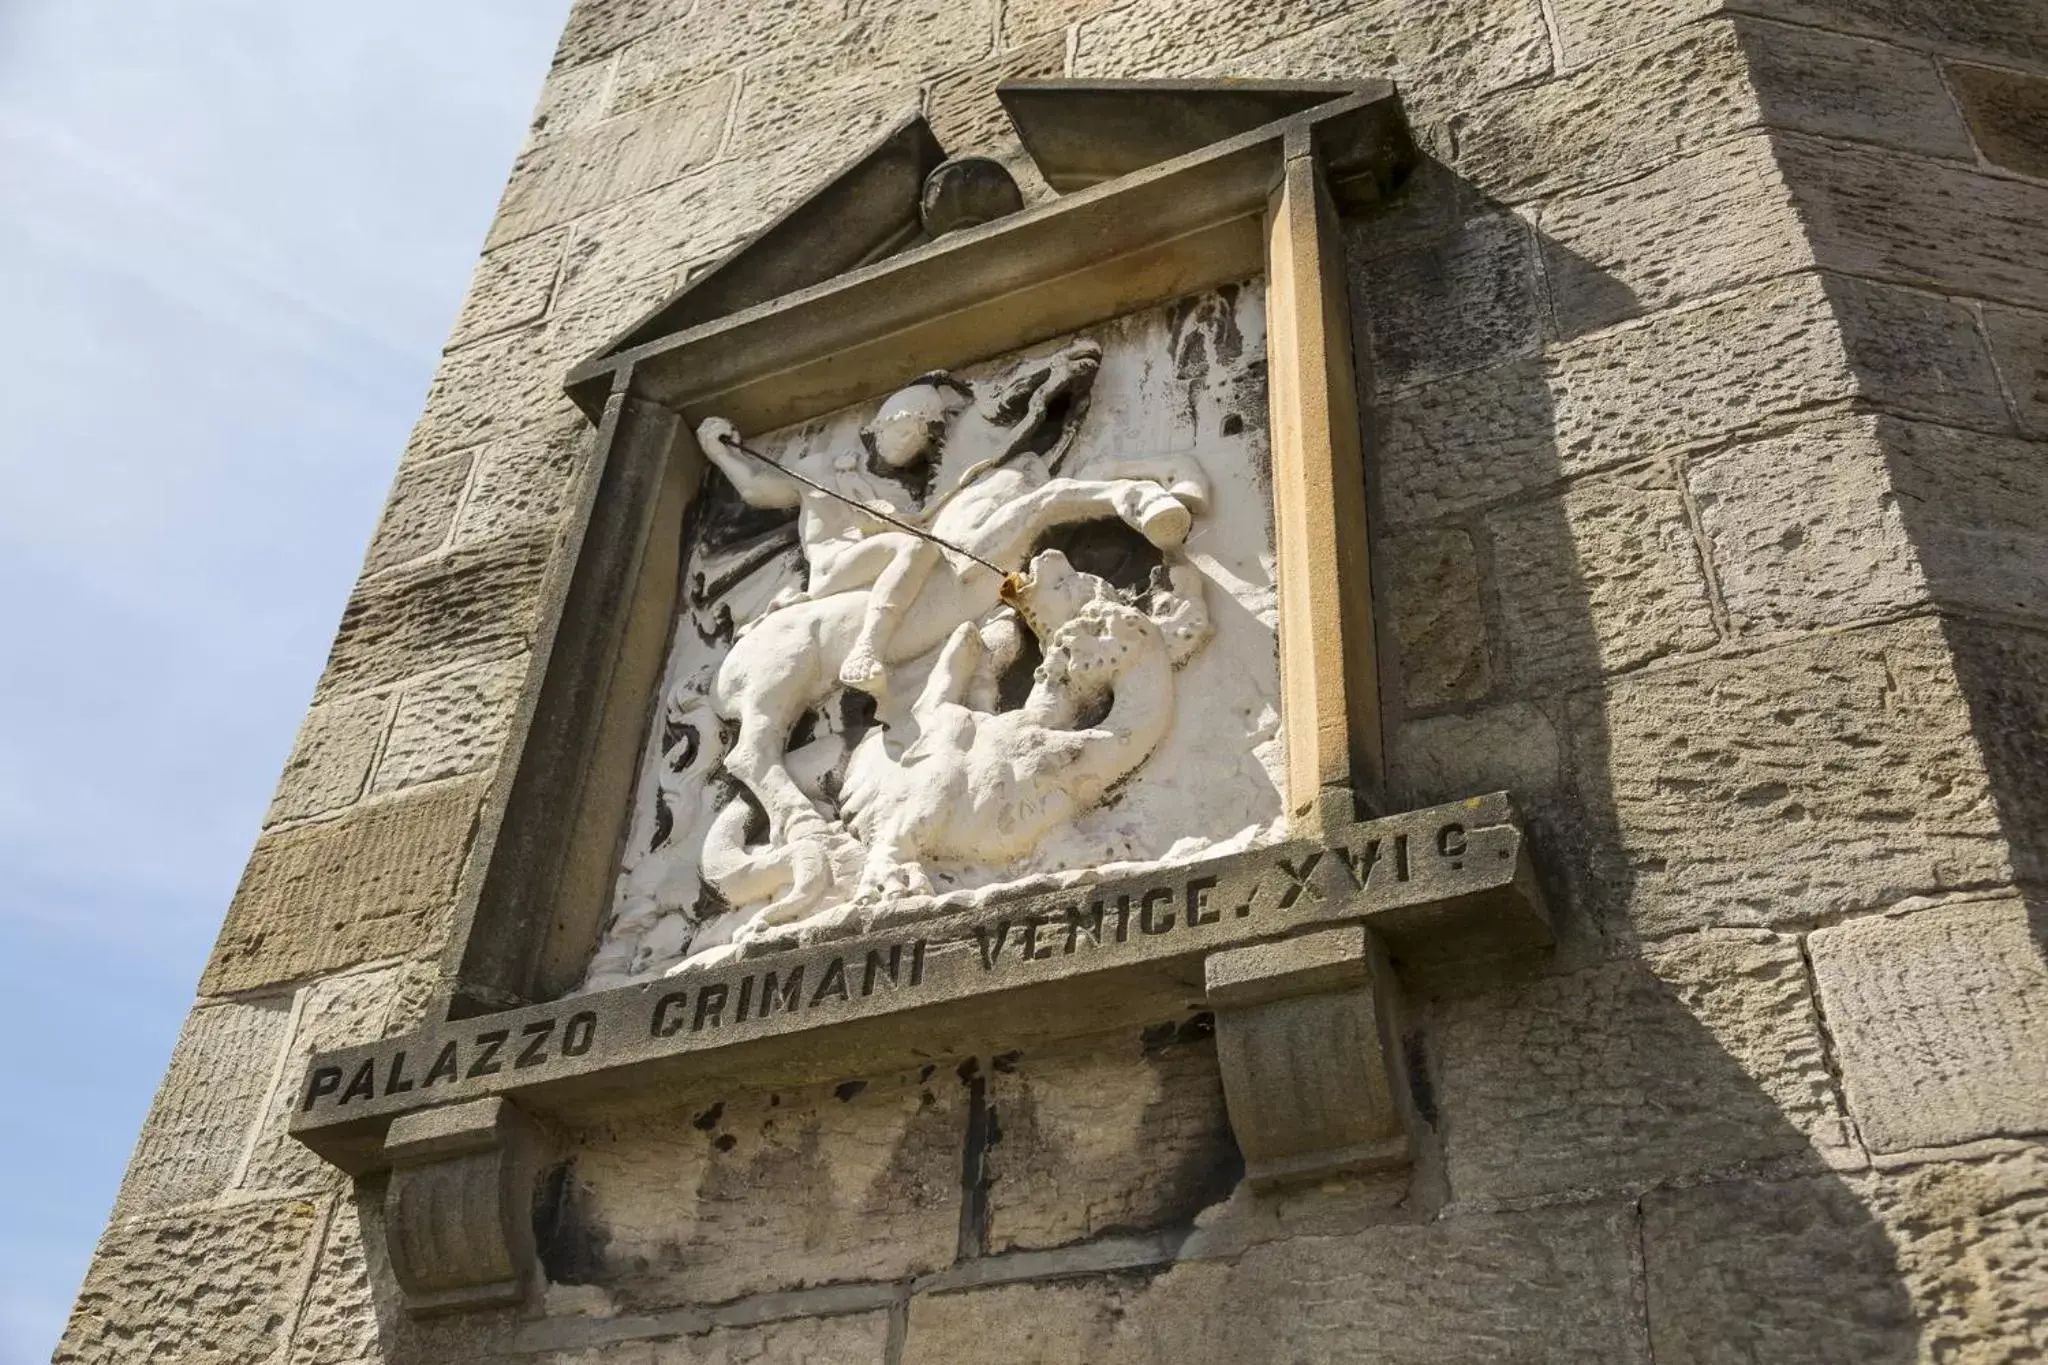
[(1641, 1143)]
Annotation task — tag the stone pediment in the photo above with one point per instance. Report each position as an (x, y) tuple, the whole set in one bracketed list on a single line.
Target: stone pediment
[(944, 728)]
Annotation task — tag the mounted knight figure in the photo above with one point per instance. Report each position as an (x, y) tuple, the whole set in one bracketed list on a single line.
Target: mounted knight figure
[(905, 541)]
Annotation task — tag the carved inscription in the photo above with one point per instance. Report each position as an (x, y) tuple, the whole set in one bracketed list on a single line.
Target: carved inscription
[(1375, 868)]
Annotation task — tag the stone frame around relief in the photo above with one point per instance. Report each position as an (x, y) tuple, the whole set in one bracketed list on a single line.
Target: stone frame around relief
[(1277, 939)]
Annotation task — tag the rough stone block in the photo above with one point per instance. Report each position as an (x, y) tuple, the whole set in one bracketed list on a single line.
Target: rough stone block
[(1942, 1262), (854, 1339), (1826, 775), (2004, 673), (207, 1106), (1940, 1020), (1687, 376), (748, 1193), (1511, 747), (496, 390), (787, 104), (1442, 53), (1460, 304), (1520, 1288), (449, 725), (1024, 20), (621, 157), (2019, 346), (340, 1011), (1918, 355), (1706, 222), (1695, 1058), (510, 287), (1619, 118), (2008, 113), (330, 759), (374, 884), (1790, 1272), (1155, 37), (1124, 1134), (1844, 87), (339, 1322), (523, 487), (1603, 579), (596, 27), (1806, 529), (1588, 30), (2008, 28), (572, 100), (468, 605), (215, 1288), (1435, 591), (1976, 510), (1881, 215), (418, 512), (965, 116)]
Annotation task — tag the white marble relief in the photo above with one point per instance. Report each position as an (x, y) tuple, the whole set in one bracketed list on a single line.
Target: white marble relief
[(862, 718)]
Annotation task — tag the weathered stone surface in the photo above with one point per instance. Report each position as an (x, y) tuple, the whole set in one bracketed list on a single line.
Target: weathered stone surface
[(207, 1107), (1939, 1263), (1685, 376), (965, 116), (339, 1323), (1152, 37), (1791, 1271), (1459, 304), (1718, 218), (331, 758), (1024, 20), (1697, 1057), (449, 725), (1434, 589), (374, 884), (2010, 28), (337, 1012), (511, 287), (496, 390), (1940, 1020), (1603, 579), (1548, 1287), (418, 512), (2019, 346), (1441, 53), (748, 1193), (1094, 1137), (572, 100), (1976, 510), (1615, 120), (205, 1289), (2004, 673), (1806, 529), (1829, 774), (468, 605), (1512, 747), (616, 159), (1881, 215), (596, 27), (1844, 87), (523, 486), (2008, 113), (1918, 355), (855, 1339)]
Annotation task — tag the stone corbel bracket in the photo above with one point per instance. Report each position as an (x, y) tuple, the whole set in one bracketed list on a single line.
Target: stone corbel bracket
[(1308, 1041), (458, 1210)]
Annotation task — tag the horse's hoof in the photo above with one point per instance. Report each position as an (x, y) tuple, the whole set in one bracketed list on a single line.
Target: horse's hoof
[(864, 672)]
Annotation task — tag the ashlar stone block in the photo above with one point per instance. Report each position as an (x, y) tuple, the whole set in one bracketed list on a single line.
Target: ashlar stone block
[(374, 884), (207, 1107), (449, 725), (1835, 773), (523, 486), (1460, 304), (214, 1288), (511, 287), (2008, 113), (1522, 1288), (1024, 20), (1436, 594), (734, 1194), (1698, 1057), (1119, 1134), (1708, 221), (1603, 579), (417, 514), (330, 759), (1940, 1019), (1838, 86), (2019, 346), (854, 1339)]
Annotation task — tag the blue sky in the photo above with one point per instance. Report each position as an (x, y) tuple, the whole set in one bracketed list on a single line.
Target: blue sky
[(233, 234)]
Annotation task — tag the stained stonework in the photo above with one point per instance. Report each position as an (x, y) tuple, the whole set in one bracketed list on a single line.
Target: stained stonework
[(1703, 362)]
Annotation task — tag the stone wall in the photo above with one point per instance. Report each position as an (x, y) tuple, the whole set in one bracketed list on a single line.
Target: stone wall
[(1709, 377)]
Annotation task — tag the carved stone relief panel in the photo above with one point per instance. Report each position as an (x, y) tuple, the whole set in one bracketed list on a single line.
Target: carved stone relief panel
[(1007, 628)]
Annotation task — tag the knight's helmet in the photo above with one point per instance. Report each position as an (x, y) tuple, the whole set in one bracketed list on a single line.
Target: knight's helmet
[(911, 422)]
